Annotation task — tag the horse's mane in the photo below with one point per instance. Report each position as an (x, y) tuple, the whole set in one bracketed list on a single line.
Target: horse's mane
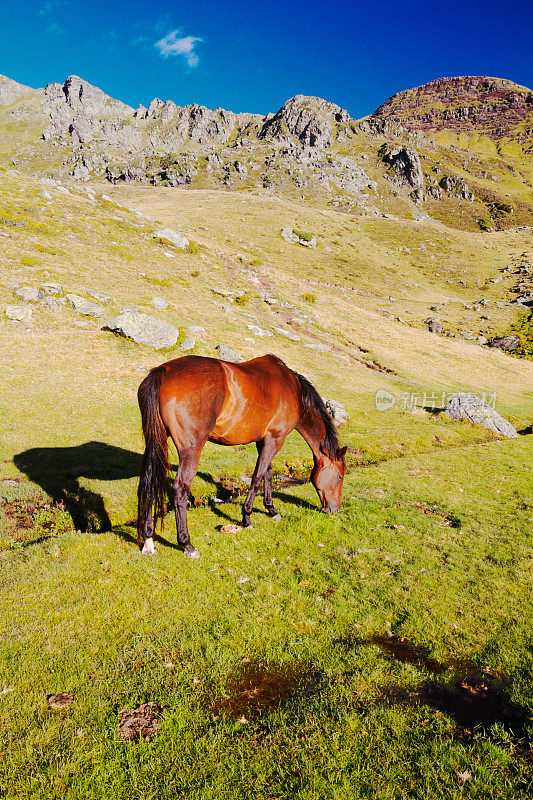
[(312, 400)]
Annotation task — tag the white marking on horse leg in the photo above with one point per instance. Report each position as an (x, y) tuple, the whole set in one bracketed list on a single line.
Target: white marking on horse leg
[(149, 549)]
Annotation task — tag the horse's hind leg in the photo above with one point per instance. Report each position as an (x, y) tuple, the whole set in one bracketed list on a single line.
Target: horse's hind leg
[(187, 468), (147, 542), (267, 448)]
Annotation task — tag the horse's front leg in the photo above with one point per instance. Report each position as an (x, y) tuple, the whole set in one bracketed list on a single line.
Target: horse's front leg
[(267, 448), (267, 495), (187, 468)]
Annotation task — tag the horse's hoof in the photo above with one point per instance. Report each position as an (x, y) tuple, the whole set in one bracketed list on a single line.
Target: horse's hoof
[(276, 517), (148, 548), (191, 552)]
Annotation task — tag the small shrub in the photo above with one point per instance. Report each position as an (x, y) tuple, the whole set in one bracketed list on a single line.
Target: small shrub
[(241, 300), (28, 261), (194, 247), (483, 225), (195, 273), (157, 280), (302, 235), (309, 298)]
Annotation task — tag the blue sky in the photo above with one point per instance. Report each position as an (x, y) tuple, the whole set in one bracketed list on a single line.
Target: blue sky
[(252, 56)]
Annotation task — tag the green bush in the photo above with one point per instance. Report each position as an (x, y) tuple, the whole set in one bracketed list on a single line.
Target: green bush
[(309, 298), (302, 235)]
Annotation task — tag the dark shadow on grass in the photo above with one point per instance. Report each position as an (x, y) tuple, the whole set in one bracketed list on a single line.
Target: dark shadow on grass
[(57, 470), (470, 695)]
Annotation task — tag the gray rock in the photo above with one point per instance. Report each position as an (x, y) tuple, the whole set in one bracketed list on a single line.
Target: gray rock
[(168, 236), (405, 166), (474, 409), (30, 294), (434, 324), (257, 331), (227, 354), (100, 296), (196, 330), (506, 343), (160, 303), (318, 346), (51, 288), (288, 334), (144, 329), (338, 413), (83, 306), (188, 343), (50, 303), (19, 313)]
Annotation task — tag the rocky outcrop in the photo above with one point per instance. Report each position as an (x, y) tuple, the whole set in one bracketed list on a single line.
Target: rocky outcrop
[(78, 108), (404, 168), (491, 106), (312, 121)]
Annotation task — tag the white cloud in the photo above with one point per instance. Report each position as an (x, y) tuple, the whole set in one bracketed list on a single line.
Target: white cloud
[(49, 6), (174, 45)]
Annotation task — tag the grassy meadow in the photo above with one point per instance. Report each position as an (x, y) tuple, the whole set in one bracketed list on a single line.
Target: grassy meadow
[(384, 652)]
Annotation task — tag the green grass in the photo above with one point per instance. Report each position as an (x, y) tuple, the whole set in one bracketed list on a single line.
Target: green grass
[(433, 543), (428, 562)]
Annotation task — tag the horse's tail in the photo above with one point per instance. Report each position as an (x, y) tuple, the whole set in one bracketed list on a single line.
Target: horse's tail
[(152, 490)]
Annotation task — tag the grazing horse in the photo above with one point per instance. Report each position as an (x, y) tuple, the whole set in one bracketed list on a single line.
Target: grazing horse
[(195, 400)]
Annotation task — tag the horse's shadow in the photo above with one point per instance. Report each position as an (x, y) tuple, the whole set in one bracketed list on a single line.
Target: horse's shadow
[(57, 470)]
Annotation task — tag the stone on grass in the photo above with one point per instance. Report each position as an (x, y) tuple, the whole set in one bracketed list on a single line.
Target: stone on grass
[(196, 330), (257, 331), (434, 324), (506, 343), (227, 354), (18, 313), (160, 303), (30, 294), (288, 334), (51, 288), (469, 407), (83, 306), (339, 415), (168, 236), (318, 346), (144, 329), (187, 344), (100, 296)]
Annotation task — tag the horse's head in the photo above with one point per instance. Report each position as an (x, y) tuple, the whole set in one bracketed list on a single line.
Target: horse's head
[(327, 476)]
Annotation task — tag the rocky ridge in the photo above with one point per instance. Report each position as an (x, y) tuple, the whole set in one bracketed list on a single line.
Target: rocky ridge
[(310, 147)]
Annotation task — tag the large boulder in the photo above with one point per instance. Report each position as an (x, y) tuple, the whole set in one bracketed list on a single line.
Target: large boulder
[(169, 237), (227, 354), (144, 329), (469, 407)]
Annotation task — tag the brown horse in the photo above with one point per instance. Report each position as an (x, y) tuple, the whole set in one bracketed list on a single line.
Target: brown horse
[(195, 400)]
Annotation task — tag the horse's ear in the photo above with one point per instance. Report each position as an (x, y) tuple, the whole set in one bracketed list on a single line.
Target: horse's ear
[(342, 452)]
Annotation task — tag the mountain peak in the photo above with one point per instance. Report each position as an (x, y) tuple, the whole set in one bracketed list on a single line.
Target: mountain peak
[(463, 104)]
